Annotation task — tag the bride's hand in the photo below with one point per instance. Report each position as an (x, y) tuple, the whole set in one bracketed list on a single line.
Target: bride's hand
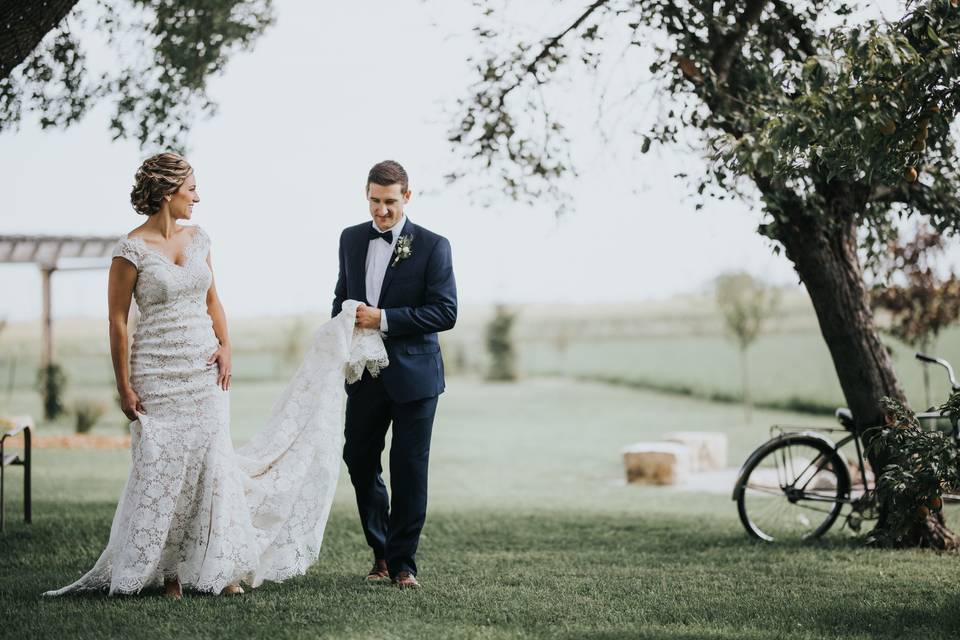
[(222, 357), (130, 404)]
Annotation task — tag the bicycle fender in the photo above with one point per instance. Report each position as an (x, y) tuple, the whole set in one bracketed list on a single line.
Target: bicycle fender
[(762, 450)]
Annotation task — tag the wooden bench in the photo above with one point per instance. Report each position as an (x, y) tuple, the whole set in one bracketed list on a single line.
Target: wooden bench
[(16, 426)]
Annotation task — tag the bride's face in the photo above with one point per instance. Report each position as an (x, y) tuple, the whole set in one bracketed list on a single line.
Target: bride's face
[(181, 203), (386, 204)]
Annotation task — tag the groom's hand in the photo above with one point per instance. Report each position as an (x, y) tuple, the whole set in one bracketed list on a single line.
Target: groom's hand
[(368, 317)]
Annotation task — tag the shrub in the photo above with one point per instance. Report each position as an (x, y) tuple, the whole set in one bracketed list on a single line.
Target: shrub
[(503, 355), (918, 468), (51, 383), (88, 412)]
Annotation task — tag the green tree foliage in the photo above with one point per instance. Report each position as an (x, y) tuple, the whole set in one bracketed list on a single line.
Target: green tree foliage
[(52, 383), (923, 466), (88, 412), (921, 302), (164, 53), (776, 98), (745, 304)]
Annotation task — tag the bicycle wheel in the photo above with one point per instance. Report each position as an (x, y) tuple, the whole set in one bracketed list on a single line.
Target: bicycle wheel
[(792, 488)]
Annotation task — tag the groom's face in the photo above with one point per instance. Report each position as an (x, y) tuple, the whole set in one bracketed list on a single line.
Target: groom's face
[(386, 204)]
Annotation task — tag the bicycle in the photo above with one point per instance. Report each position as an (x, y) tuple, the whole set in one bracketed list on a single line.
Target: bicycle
[(795, 485)]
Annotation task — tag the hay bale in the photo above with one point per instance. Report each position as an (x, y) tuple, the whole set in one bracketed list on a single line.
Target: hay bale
[(708, 449), (658, 463)]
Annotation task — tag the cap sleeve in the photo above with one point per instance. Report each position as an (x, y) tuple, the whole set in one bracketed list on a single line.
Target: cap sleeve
[(203, 240), (128, 250)]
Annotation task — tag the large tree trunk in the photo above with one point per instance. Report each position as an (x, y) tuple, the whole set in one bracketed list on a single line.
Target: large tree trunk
[(23, 24), (826, 260)]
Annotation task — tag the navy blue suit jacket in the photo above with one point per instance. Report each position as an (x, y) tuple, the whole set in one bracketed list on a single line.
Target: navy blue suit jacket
[(419, 296)]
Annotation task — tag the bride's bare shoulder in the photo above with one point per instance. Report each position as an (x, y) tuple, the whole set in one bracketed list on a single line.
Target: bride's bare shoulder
[(138, 232)]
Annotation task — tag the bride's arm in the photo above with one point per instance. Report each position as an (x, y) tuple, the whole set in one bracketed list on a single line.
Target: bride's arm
[(120, 283), (223, 355)]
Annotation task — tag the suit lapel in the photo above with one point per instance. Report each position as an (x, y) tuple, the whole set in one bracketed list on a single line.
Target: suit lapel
[(408, 230), (359, 253)]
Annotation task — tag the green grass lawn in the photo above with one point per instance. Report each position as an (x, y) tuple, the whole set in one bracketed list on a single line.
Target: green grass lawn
[(532, 533), (641, 573)]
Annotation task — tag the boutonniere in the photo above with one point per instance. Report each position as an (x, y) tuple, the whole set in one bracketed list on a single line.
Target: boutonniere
[(402, 251)]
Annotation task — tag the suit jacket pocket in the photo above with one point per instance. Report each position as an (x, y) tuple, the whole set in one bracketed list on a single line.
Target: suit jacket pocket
[(422, 348)]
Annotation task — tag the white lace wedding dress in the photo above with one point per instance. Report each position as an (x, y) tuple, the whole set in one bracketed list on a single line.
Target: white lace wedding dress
[(193, 507)]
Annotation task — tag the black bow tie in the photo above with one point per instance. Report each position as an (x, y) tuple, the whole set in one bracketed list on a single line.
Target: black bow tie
[(386, 235)]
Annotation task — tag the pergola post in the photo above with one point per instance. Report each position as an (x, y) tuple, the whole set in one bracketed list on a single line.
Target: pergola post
[(46, 355)]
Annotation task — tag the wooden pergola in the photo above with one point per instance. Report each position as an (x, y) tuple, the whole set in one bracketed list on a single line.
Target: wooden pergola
[(56, 253)]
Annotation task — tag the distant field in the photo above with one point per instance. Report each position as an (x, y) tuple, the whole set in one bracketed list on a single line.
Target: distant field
[(674, 345), (681, 344), (790, 369)]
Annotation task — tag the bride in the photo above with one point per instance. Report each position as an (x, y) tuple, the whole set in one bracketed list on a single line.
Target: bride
[(194, 512)]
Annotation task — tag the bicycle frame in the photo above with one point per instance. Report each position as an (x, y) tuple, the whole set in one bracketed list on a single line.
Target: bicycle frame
[(782, 431)]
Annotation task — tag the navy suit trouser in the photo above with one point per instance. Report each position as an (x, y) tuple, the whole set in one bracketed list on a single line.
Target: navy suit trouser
[(392, 530)]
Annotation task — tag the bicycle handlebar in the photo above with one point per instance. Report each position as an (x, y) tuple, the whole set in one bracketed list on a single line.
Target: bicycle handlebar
[(943, 363)]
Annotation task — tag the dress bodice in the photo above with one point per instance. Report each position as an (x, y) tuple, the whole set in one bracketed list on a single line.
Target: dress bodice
[(162, 283)]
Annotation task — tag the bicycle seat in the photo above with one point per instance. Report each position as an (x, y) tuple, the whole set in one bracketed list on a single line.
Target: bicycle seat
[(844, 417)]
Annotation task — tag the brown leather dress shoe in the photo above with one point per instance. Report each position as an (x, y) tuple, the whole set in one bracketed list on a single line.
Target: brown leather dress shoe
[(232, 590), (379, 571), (406, 580)]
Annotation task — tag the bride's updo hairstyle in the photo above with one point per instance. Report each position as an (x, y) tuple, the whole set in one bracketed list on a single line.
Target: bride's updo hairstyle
[(158, 176)]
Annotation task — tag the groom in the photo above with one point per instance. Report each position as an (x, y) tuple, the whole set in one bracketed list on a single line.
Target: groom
[(404, 273)]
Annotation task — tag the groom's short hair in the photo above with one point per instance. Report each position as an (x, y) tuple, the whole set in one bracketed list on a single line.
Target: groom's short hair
[(387, 173)]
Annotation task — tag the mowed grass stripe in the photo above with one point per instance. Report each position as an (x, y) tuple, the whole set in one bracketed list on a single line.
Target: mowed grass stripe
[(512, 575)]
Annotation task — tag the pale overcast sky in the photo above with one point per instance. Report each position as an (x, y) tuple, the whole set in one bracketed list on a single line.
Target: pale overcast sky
[(328, 91)]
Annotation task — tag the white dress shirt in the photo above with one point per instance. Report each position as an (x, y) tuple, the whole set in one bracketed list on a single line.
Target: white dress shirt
[(379, 254)]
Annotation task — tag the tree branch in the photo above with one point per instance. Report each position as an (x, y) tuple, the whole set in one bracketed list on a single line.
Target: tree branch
[(549, 45), (725, 50), (23, 26), (789, 17), (883, 194)]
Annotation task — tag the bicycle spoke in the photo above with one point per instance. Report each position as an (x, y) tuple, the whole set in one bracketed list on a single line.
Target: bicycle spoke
[(809, 507), (778, 491), (773, 491)]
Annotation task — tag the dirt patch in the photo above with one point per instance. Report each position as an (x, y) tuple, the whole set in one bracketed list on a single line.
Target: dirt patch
[(74, 441)]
